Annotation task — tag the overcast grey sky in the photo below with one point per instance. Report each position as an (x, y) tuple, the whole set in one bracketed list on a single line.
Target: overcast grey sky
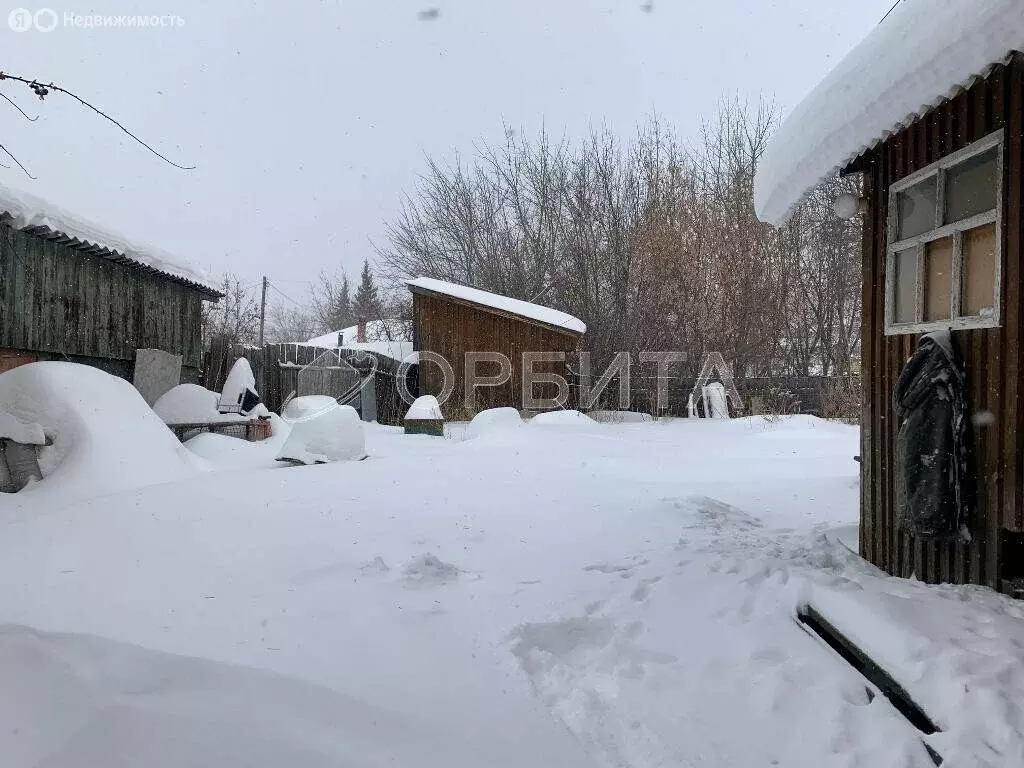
[(307, 119)]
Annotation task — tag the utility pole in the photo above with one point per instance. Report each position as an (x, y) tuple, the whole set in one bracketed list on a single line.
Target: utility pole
[(263, 309)]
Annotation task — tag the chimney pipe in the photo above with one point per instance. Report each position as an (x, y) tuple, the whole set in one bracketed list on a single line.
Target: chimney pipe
[(361, 332)]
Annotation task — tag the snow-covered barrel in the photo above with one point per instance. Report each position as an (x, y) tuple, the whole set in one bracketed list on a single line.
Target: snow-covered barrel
[(424, 417)]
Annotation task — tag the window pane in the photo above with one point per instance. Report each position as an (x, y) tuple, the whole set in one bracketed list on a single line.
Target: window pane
[(915, 209), (938, 273), (905, 292), (971, 187), (978, 297)]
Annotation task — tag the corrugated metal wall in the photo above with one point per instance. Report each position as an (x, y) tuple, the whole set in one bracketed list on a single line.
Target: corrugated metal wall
[(59, 301), (991, 357)]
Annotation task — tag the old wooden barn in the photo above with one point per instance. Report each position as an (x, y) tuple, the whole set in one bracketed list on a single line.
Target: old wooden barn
[(72, 291), (942, 207), (452, 321)]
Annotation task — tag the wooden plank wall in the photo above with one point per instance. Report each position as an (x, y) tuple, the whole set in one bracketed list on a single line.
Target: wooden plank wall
[(991, 357), (61, 302), (451, 329)]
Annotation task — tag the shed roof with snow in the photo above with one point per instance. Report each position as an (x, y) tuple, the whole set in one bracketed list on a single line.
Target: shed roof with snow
[(500, 305), (39, 217), (922, 53), (72, 290)]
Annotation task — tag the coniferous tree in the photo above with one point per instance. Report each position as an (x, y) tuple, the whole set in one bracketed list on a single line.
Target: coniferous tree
[(366, 304)]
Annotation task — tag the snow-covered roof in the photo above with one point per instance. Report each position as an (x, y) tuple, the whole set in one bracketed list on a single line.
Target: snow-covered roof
[(921, 54), (383, 337), (37, 216), (376, 330), (524, 309)]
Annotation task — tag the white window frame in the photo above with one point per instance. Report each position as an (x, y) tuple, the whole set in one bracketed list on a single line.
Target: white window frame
[(941, 230)]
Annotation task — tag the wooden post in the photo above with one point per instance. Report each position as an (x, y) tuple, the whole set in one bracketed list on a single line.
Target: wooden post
[(263, 309)]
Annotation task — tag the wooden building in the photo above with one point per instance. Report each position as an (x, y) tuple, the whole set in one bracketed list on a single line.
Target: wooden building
[(69, 291), (942, 208), (452, 321)]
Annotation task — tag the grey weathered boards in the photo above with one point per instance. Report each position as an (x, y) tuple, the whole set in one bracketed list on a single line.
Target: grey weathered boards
[(61, 299)]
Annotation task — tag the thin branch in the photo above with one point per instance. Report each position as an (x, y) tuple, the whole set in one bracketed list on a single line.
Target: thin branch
[(7, 152), (11, 101), (42, 91)]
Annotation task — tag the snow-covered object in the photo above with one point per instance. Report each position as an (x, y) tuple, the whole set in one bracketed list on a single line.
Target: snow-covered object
[(536, 312), (28, 210), (918, 56), (332, 435), (303, 407), (104, 436), (26, 433), (716, 405), (563, 419), (425, 408), (193, 404), (239, 394), (493, 419)]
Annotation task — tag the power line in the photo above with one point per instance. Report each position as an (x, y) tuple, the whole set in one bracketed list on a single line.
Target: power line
[(285, 295), (890, 10)]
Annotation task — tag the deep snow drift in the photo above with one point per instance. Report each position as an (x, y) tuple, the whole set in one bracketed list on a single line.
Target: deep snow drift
[(578, 594), (104, 436)]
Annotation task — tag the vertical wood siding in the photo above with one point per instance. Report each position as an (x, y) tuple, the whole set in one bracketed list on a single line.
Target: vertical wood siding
[(991, 357), (451, 329), (62, 302)]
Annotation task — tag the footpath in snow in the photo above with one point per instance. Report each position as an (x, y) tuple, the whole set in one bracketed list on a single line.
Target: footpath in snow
[(562, 594)]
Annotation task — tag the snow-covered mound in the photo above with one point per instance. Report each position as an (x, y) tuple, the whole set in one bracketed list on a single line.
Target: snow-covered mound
[(493, 419), (223, 451), (563, 419), (77, 701), (425, 408), (104, 436), (303, 407), (333, 435), (192, 404)]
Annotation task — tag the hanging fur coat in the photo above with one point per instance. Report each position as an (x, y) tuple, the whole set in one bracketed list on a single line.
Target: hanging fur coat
[(931, 447)]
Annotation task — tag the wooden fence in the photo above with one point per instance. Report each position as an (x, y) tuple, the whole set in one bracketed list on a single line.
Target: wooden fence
[(284, 369)]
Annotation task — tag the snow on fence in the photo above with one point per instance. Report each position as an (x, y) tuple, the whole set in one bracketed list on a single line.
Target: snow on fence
[(281, 369)]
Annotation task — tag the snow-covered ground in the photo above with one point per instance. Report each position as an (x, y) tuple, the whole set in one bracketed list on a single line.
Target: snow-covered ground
[(565, 594)]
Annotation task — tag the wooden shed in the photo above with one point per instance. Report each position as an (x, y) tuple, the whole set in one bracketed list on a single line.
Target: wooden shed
[(452, 321), (942, 207), (72, 291)]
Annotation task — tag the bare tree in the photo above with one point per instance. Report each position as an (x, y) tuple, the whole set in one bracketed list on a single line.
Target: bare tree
[(654, 244), (290, 324), (236, 317)]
